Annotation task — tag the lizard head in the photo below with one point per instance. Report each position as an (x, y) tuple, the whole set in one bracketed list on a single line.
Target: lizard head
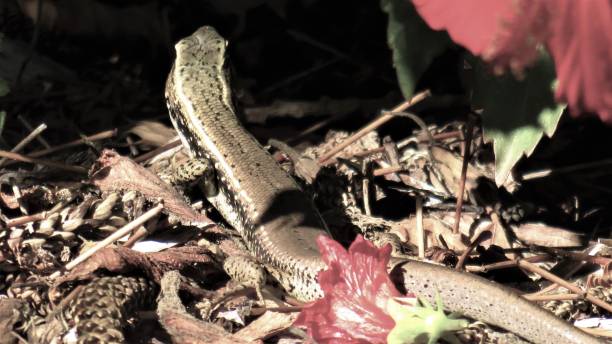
[(204, 48)]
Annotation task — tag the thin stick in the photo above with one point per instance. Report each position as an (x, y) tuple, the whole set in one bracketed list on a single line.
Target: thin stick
[(481, 237), (34, 217), (299, 75), (571, 287), (442, 136), (365, 186), (23, 158), (148, 155), (369, 152), (33, 134), (131, 145), (548, 172), (121, 232), (312, 129), (29, 127), (374, 124), (381, 171), (600, 332), (553, 297), (387, 170), (461, 190), (282, 309), (419, 224), (506, 264), (95, 137)]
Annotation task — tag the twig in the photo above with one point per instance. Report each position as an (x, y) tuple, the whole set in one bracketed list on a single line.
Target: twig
[(420, 123), (419, 225), (148, 155), (34, 217), (384, 118), (365, 186), (441, 136), (315, 43), (435, 137), (481, 237), (17, 195), (569, 286), (461, 190), (312, 129), (328, 48), (599, 332), (140, 233), (553, 297), (387, 170), (297, 76), (30, 128), (548, 172), (95, 137), (121, 232), (34, 133), (368, 152), (506, 264), (131, 146), (281, 309), (589, 255), (23, 158)]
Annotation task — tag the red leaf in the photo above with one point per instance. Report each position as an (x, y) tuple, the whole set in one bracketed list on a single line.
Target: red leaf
[(356, 287)]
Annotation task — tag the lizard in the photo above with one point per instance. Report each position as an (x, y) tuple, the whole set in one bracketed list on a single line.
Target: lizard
[(280, 224)]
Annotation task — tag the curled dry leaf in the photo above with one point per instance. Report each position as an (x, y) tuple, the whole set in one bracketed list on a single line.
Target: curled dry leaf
[(9, 200), (180, 325), (118, 173), (267, 325), (11, 314), (154, 265), (152, 133), (541, 234)]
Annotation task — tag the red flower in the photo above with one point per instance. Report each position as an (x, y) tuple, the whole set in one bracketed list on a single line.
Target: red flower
[(356, 287), (578, 35)]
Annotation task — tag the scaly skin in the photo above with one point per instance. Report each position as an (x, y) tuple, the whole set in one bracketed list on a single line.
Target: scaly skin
[(481, 299), (280, 224)]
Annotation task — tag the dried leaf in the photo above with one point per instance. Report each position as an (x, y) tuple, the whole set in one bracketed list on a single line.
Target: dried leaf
[(117, 173), (541, 234), (154, 265), (180, 325), (152, 133)]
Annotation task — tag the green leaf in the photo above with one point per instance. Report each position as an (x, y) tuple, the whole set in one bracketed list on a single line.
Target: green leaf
[(516, 113), (413, 43), (2, 118), (4, 87), (421, 323)]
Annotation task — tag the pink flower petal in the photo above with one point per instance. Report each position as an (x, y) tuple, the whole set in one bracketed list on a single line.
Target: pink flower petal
[(356, 287), (578, 35), (581, 45), (471, 23)]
